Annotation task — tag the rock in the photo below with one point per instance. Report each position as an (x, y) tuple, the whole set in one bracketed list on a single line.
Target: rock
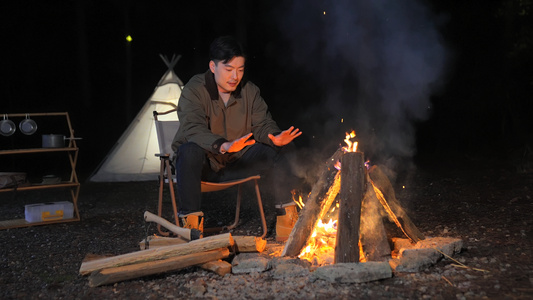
[(447, 245), (289, 270), (415, 258), (353, 272), (198, 287), (243, 264), (274, 262)]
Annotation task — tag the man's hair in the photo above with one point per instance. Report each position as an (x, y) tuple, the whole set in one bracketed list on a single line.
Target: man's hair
[(225, 48)]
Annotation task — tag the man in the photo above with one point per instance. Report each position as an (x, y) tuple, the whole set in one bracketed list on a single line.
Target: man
[(226, 132)]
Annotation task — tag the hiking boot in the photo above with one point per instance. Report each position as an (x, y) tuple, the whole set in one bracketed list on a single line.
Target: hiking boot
[(193, 220), (285, 223)]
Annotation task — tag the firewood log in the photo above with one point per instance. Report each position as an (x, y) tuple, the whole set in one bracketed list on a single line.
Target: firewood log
[(160, 241), (372, 234), (196, 246), (353, 179), (319, 201), (112, 275), (249, 244), (219, 267), (392, 206)]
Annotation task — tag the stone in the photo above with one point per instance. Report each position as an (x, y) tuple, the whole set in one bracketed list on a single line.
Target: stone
[(249, 264), (289, 270), (275, 261), (399, 243), (425, 253), (447, 245), (415, 260), (353, 272)]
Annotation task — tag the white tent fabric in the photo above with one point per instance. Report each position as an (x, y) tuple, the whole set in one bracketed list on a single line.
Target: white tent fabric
[(133, 156)]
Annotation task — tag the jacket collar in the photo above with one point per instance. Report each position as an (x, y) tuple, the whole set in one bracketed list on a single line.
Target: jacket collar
[(211, 86)]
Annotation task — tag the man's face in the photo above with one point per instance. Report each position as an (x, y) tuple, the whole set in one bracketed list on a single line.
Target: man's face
[(228, 75)]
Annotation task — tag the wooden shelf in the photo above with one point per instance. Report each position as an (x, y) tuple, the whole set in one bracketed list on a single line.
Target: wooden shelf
[(71, 151), (39, 186), (37, 150)]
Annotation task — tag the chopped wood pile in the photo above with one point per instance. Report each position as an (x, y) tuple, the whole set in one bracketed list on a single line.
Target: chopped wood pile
[(169, 254)]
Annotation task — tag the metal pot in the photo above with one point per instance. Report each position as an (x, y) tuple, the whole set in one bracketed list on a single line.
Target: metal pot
[(53, 141), (7, 127), (28, 126)]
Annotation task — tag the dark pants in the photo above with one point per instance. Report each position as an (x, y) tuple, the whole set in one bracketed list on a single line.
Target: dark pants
[(192, 166)]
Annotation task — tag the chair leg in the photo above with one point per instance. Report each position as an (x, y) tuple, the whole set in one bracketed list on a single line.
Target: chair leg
[(237, 209), (165, 168), (261, 211), (172, 194), (160, 202)]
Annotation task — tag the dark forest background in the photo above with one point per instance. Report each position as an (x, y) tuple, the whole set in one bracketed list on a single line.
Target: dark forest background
[(315, 61)]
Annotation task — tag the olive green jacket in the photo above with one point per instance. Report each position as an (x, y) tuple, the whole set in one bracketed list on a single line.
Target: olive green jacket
[(205, 121)]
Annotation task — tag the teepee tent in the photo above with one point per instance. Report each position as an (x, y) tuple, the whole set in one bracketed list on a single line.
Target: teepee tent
[(133, 156)]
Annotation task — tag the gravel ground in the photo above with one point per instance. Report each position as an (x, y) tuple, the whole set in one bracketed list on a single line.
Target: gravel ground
[(486, 204)]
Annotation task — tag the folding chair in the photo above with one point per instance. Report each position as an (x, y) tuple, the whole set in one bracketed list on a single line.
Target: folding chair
[(165, 134)]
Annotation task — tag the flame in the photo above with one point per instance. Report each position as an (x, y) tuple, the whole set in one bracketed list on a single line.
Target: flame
[(350, 146), (362, 255), (320, 247), (297, 198), (322, 241)]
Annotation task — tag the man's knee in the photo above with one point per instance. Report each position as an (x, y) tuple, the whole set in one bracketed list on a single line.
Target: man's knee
[(191, 153)]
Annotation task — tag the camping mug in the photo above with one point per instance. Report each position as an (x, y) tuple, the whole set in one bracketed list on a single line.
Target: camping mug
[(28, 126), (7, 127)]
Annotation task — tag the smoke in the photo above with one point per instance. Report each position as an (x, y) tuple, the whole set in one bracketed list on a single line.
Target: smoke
[(377, 63)]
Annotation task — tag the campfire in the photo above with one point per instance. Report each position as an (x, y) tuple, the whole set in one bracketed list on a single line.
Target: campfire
[(342, 220)]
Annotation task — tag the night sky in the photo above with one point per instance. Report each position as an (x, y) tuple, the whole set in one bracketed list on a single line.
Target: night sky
[(413, 79)]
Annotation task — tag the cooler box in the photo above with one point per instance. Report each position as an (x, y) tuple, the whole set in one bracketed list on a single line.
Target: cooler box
[(42, 212)]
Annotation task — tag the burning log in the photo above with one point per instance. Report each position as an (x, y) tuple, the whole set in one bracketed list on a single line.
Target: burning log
[(372, 235), (112, 275), (385, 194), (351, 196), (314, 207), (162, 253)]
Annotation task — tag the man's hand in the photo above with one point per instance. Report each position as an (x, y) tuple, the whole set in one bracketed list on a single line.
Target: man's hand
[(237, 145), (285, 136)]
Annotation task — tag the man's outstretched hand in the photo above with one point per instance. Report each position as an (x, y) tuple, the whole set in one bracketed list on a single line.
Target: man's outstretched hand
[(285, 136), (238, 144)]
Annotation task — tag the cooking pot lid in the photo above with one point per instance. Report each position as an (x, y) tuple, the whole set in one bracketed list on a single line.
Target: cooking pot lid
[(28, 126), (7, 127)]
